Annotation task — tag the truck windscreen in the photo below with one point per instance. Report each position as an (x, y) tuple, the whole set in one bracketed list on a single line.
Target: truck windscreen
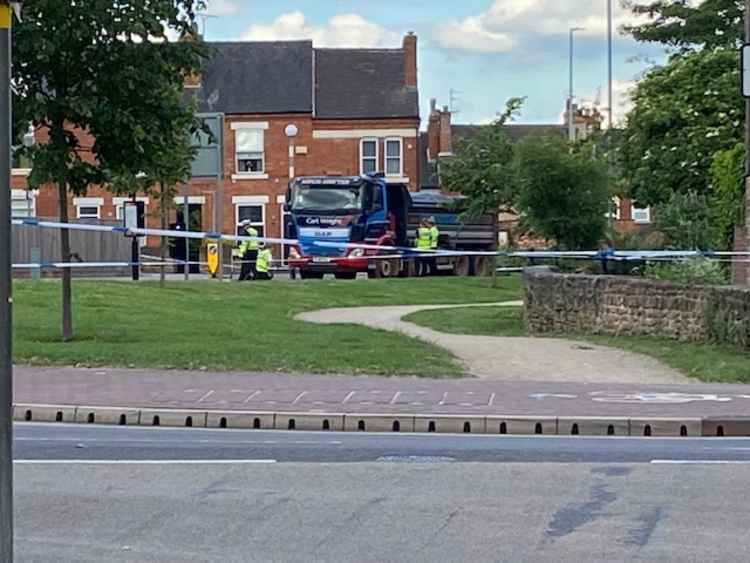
[(329, 199)]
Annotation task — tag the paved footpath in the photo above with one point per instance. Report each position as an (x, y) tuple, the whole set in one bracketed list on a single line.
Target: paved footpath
[(255, 392), (512, 359)]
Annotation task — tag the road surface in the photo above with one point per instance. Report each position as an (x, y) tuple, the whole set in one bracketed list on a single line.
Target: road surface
[(378, 511)]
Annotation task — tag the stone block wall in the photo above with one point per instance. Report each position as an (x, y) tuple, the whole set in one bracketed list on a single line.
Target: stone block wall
[(741, 267), (625, 305)]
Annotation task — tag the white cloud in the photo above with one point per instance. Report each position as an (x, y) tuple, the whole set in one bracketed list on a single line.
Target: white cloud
[(221, 7), (344, 30), (499, 27), (622, 102)]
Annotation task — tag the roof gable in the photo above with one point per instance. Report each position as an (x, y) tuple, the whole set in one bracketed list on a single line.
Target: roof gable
[(363, 83), (256, 77)]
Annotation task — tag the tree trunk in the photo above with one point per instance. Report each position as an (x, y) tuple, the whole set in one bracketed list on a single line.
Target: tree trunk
[(67, 290), (163, 214)]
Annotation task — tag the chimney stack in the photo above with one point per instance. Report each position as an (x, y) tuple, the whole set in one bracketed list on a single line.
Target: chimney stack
[(410, 59)]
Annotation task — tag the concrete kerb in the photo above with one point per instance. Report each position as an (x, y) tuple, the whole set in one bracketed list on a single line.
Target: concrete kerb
[(423, 423)]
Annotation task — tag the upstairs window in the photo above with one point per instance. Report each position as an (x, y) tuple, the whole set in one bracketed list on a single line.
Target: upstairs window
[(393, 157), (249, 151), (641, 214), (368, 152)]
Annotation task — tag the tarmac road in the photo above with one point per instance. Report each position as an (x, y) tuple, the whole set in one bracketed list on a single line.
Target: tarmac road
[(81, 442)]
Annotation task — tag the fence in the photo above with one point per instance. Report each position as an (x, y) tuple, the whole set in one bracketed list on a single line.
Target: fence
[(34, 245)]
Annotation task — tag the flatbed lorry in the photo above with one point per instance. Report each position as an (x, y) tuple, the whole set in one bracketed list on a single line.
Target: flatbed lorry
[(350, 224)]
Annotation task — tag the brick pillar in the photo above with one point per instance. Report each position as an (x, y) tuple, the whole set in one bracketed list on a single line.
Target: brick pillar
[(410, 59)]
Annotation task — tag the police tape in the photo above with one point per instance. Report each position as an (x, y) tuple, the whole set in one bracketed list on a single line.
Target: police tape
[(393, 252)]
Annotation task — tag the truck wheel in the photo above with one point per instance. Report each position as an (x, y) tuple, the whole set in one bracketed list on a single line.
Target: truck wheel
[(345, 275), (462, 266), (482, 266), (388, 268)]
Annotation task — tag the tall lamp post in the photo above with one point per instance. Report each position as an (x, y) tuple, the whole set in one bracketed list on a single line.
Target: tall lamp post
[(571, 125), (291, 133), (6, 365)]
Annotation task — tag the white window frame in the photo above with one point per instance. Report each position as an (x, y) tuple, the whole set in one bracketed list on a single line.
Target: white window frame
[(26, 197), (386, 158), (617, 215), (251, 201), (362, 153), (81, 202), (119, 203), (261, 126), (643, 221)]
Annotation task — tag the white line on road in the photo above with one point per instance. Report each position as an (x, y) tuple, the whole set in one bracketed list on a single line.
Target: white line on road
[(349, 396), (395, 398), (251, 396), (697, 462), (299, 397), (206, 396), (142, 462), (492, 400)]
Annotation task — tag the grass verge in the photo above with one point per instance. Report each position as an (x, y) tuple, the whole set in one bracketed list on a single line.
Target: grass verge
[(707, 362), (232, 326)]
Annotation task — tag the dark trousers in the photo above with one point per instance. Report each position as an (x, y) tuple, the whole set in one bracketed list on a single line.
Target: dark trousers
[(248, 271), (264, 276)]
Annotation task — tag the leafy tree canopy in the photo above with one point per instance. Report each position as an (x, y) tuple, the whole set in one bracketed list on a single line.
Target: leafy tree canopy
[(563, 195), (727, 193), (683, 114), (685, 24)]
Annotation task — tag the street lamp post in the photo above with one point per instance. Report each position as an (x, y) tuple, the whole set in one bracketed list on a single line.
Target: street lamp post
[(291, 132), (6, 326), (610, 87), (571, 126)]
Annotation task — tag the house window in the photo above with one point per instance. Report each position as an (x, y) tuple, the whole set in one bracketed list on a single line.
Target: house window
[(88, 207), (641, 214), (249, 150), (368, 152), (615, 209), (255, 213), (22, 204), (119, 203), (393, 157)]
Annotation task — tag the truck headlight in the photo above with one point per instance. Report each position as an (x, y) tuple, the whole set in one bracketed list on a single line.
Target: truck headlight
[(357, 253)]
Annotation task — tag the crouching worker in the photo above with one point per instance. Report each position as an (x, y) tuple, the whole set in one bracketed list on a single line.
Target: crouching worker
[(263, 264)]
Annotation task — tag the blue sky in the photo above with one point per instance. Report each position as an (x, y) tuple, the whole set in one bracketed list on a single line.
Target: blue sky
[(489, 50)]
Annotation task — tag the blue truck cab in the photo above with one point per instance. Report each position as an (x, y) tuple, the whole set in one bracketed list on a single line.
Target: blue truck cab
[(341, 223)]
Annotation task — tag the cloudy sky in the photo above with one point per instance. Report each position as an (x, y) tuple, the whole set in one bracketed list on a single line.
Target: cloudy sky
[(487, 50)]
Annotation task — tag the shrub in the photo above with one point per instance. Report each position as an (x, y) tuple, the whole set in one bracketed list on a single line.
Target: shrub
[(695, 270)]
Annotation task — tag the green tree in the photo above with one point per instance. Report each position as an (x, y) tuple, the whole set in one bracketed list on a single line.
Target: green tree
[(686, 25), (727, 193), (685, 220), (683, 114), (563, 195), (483, 166), (100, 69)]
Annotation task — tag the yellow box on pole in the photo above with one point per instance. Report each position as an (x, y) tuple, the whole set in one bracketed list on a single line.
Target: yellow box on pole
[(5, 16)]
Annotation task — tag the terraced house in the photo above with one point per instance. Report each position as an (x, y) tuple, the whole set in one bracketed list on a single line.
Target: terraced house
[(353, 111)]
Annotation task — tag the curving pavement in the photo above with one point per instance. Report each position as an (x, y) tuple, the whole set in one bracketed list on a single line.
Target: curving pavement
[(516, 358)]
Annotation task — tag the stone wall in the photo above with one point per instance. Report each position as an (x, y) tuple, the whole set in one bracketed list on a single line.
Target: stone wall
[(627, 305), (741, 267)]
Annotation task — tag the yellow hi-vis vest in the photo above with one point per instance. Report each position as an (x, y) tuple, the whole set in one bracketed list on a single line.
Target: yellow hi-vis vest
[(424, 237), (434, 237), (247, 245), (263, 263)]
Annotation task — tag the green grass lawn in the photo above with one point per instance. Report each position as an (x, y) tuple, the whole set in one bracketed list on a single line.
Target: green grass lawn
[(707, 362), (232, 326)]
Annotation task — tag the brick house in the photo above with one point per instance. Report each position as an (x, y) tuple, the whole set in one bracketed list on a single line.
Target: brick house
[(443, 139), (355, 111)]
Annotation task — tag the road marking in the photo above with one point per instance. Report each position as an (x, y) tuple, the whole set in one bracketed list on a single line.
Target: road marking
[(295, 401), (442, 401), (395, 397), (206, 396), (349, 396), (142, 462), (252, 396), (697, 462), (492, 400)]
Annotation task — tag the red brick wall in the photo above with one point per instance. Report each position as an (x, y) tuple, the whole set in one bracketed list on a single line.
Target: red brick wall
[(410, 60)]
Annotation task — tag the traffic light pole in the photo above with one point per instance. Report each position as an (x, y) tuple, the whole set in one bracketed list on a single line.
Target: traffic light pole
[(6, 364)]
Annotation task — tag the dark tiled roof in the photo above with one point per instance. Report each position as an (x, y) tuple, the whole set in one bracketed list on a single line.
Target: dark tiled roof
[(362, 83), (257, 77)]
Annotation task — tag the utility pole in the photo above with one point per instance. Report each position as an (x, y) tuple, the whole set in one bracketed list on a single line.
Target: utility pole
[(747, 148), (610, 102), (571, 126), (6, 301)]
